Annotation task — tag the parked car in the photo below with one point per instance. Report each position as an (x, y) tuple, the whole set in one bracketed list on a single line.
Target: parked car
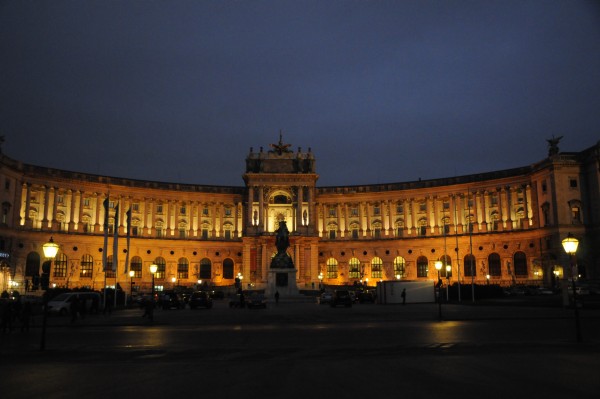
[(341, 297), (200, 299), (325, 298), (61, 304), (366, 297), (256, 301), (171, 300)]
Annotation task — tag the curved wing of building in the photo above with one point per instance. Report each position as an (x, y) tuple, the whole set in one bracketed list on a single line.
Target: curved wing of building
[(502, 227)]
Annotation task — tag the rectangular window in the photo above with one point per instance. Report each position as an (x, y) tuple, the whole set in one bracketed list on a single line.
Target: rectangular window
[(227, 211), (377, 233), (332, 212), (205, 211), (354, 211), (572, 183), (423, 207), (332, 234), (399, 232), (446, 229), (228, 234), (182, 233), (355, 234), (182, 210), (376, 210), (493, 200), (446, 205), (135, 207), (205, 234), (159, 232), (134, 231), (111, 204), (399, 208), (159, 209), (86, 202), (544, 186), (422, 230), (60, 199)]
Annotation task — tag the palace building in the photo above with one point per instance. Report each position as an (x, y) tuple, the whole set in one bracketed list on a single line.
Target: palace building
[(503, 227)]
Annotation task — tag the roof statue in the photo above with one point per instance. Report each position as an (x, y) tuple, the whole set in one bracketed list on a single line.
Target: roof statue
[(553, 145), (280, 148)]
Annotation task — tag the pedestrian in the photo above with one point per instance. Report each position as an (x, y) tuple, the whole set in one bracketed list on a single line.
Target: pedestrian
[(25, 317), (276, 297), (403, 295)]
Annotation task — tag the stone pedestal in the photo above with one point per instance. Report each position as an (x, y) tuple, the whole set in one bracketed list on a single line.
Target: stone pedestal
[(282, 281)]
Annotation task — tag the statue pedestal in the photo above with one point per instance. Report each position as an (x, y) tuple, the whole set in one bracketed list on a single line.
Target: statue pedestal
[(282, 281)]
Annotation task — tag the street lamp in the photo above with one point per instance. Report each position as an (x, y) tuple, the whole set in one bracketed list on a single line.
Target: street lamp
[(131, 276), (173, 280), (570, 246), (153, 269), (487, 278), (448, 271), (320, 276), (438, 267), (50, 250)]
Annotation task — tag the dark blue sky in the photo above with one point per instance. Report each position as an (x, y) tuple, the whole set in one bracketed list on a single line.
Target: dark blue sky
[(382, 91)]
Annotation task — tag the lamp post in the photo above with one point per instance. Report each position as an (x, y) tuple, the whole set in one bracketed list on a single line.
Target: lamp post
[(173, 281), (570, 246), (153, 269), (320, 276), (131, 275), (487, 279), (438, 267), (448, 271), (50, 250)]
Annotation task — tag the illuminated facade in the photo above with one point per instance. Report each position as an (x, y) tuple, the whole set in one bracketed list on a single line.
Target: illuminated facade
[(507, 225)]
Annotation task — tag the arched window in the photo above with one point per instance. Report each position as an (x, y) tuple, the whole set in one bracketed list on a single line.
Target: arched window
[(376, 266), (59, 266), (332, 268), (205, 269), (183, 267), (136, 266), (399, 267), (161, 269), (494, 265), (520, 262), (422, 266), (354, 268), (87, 266), (470, 268), (228, 268)]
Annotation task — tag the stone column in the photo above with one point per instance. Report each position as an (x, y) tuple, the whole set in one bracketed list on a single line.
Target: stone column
[(46, 208), (299, 207), (261, 210)]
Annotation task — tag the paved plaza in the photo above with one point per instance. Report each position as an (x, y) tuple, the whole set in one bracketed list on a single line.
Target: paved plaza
[(299, 349)]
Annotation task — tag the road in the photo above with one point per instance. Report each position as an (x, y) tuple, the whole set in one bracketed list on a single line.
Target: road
[(299, 350)]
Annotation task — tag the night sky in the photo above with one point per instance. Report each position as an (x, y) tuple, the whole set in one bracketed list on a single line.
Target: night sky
[(382, 91)]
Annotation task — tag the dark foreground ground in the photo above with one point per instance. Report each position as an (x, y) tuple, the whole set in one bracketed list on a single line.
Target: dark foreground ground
[(300, 350)]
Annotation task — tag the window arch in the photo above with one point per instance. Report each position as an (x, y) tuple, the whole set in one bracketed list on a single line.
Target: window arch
[(136, 266), (376, 266), (520, 263), (87, 266), (332, 268), (59, 267), (183, 266), (494, 265), (354, 268), (161, 269), (470, 266), (422, 266), (205, 269), (399, 266), (228, 268)]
